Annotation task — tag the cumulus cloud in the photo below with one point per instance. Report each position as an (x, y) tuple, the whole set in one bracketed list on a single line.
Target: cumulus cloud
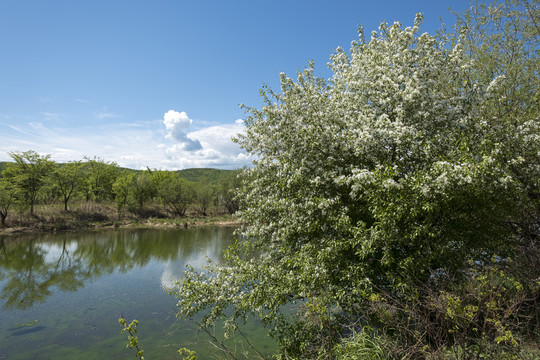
[(206, 147), (176, 124), (218, 150), (219, 137), (134, 144)]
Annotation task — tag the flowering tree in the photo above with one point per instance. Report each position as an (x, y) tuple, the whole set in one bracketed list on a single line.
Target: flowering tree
[(375, 189)]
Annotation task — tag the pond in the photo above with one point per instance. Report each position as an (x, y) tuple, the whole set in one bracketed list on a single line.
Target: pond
[(61, 294)]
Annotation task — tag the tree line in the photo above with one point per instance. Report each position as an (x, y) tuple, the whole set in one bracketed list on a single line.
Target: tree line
[(32, 179)]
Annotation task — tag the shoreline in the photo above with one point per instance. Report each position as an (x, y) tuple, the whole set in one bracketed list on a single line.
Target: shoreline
[(166, 223)]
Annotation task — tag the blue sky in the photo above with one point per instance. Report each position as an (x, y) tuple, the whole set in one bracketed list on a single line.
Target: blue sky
[(158, 83)]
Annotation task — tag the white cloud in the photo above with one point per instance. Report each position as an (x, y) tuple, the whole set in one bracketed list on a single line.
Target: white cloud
[(176, 124), (37, 126), (134, 144), (217, 149), (47, 116), (219, 138)]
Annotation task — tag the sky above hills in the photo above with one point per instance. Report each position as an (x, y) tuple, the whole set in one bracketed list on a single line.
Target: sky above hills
[(158, 83)]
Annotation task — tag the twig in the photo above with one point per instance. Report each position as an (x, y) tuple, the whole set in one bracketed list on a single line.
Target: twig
[(215, 340)]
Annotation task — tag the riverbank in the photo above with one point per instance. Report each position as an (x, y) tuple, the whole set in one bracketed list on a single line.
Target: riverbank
[(149, 223), (88, 216)]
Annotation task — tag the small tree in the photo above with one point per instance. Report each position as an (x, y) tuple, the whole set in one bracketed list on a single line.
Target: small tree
[(100, 176), (122, 188), (143, 188), (227, 192), (68, 178), (204, 196), (8, 196), (176, 193), (28, 174)]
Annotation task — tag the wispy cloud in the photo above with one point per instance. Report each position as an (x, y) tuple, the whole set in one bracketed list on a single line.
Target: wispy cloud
[(48, 116), (18, 130), (104, 113), (100, 115), (37, 126)]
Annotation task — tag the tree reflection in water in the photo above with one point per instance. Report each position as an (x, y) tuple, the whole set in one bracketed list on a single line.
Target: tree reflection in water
[(33, 266)]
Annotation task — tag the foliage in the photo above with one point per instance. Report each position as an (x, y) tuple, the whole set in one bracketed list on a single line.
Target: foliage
[(176, 193), (142, 188), (227, 192), (361, 345), (100, 181), (121, 189), (135, 194), (28, 173), (133, 341), (187, 354), (205, 175), (204, 195), (8, 197), (376, 193), (68, 178), (100, 176), (3, 166), (486, 308)]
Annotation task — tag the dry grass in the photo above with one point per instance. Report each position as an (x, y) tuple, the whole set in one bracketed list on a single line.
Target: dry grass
[(91, 215)]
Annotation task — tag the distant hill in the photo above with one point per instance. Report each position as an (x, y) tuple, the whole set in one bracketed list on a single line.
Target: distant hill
[(206, 175)]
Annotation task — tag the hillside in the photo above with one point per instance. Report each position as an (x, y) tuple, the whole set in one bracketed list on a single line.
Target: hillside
[(205, 175)]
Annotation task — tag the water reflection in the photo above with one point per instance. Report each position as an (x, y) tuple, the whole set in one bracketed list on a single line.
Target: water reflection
[(33, 267)]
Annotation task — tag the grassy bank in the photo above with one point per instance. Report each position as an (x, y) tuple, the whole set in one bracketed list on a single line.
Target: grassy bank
[(97, 215)]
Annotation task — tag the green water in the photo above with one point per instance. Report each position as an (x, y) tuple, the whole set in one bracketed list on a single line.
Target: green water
[(61, 294)]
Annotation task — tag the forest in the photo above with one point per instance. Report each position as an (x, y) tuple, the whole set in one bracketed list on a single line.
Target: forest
[(36, 193)]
